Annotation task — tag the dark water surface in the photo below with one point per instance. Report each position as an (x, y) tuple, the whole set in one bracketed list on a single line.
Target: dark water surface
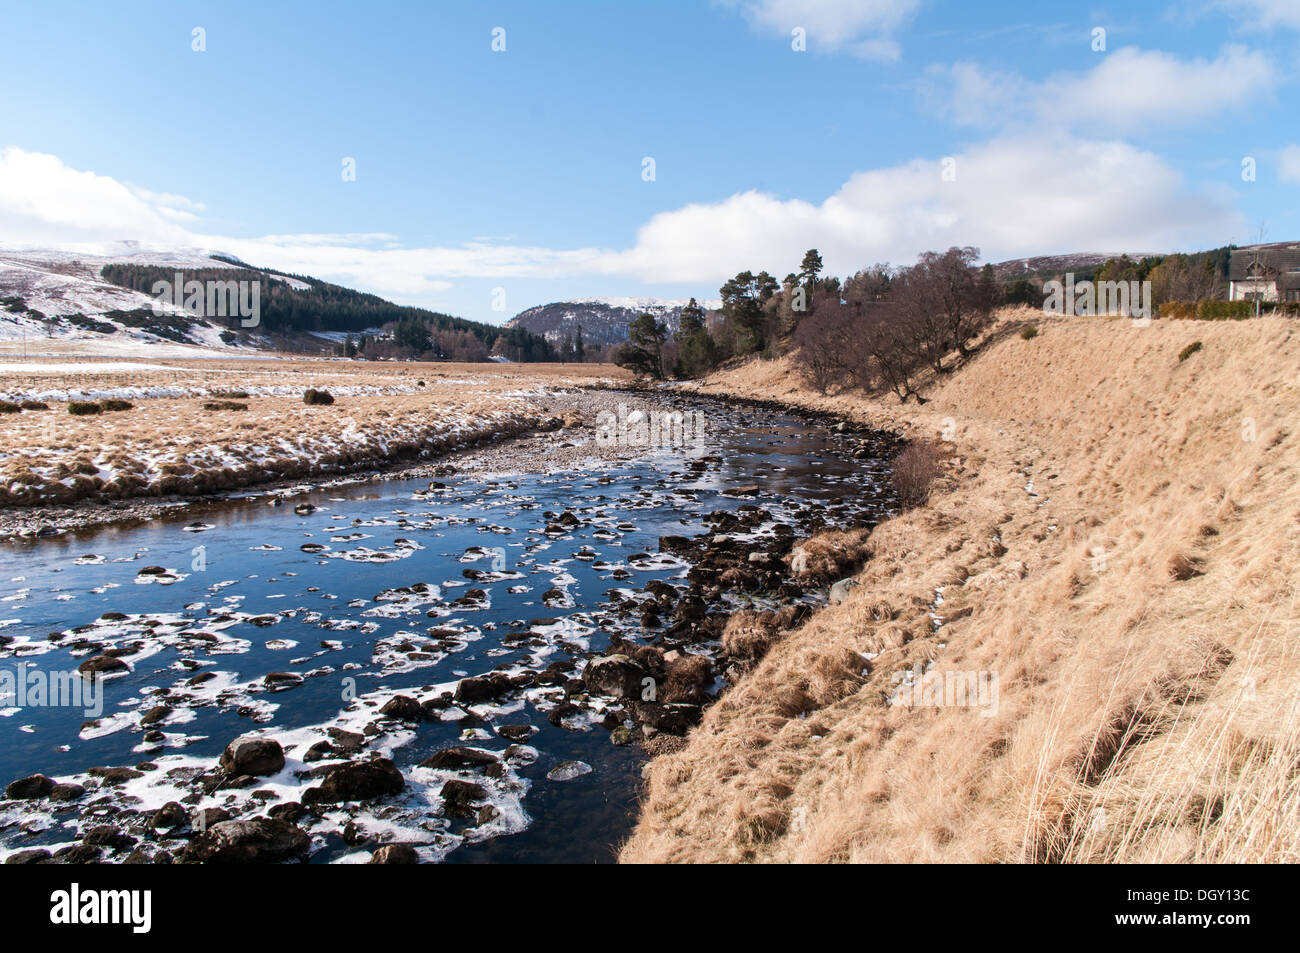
[(242, 600)]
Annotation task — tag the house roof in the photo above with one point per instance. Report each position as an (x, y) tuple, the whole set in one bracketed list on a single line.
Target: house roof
[(1280, 259)]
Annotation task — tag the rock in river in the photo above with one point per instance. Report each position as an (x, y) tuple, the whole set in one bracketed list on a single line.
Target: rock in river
[(259, 757), (357, 781), (395, 854), (615, 675), (24, 789), (257, 840)]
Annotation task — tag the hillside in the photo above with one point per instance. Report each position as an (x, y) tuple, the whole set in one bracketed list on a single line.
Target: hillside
[(57, 302), (62, 302), (1116, 538), (603, 321)]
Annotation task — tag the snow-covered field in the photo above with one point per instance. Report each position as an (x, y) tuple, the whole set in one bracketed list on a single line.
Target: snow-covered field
[(169, 442)]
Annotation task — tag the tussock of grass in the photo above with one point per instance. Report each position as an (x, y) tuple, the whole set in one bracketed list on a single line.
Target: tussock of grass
[(83, 408), (311, 396), (829, 556), (224, 405)]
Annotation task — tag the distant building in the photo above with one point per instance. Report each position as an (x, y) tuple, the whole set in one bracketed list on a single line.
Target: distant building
[(1265, 273)]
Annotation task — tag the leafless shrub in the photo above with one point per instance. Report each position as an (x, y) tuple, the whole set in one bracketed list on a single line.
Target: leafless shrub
[(915, 470)]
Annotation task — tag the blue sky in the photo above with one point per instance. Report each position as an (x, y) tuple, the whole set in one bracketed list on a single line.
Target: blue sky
[(522, 170)]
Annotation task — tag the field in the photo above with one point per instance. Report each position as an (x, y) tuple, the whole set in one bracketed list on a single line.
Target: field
[(208, 425)]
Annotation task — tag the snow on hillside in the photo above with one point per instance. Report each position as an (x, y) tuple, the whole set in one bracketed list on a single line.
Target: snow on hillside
[(603, 321), (66, 289)]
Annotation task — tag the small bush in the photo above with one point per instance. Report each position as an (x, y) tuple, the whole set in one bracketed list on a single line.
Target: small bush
[(1029, 331), (313, 396), (114, 403), (1211, 310), (35, 405), (914, 470), (231, 394), (82, 408), (1188, 351), (6, 407), (224, 405)]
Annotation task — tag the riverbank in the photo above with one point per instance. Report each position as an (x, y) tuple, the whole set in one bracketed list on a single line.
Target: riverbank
[(1109, 565)]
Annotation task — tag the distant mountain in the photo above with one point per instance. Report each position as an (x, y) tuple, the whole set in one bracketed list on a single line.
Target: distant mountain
[(105, 302), (1051, 265), (603, 321)]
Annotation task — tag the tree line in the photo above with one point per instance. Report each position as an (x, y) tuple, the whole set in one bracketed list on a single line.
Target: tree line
[(407, 332), (877, 329)]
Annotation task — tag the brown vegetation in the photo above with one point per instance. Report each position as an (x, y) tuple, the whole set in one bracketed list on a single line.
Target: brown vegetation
[(1120, 546)]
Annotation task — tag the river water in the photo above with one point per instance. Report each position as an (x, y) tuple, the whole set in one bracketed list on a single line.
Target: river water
[(352, 594)]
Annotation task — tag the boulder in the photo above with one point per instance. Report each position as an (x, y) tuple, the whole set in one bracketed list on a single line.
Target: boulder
[(256, 756), (33, 856), (459, 757), (257, 840), (395, 854), (840, 591), (615, 675), (102, 665), (25, 789), (403, 708), (475, 689), (169, 815), (357, 781), (670, 719), (457, 796)]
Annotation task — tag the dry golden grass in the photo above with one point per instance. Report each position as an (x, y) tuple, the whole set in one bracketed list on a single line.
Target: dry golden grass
[(169, 443), (1138, 608)]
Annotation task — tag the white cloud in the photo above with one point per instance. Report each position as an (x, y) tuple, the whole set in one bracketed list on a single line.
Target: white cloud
[(41, 200), (1264, 13), (862, 27), (1127, 90), (46, 204), (1012, 196), (1289, 165)]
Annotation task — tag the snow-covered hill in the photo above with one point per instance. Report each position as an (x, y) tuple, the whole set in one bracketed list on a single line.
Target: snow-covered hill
[(603, 320), (54, 302)]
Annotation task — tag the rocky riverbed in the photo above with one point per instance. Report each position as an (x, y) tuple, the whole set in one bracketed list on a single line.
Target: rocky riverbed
[(469, 658)]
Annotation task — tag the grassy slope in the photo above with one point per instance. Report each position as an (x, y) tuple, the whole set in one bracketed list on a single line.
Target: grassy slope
[(1141, 717)]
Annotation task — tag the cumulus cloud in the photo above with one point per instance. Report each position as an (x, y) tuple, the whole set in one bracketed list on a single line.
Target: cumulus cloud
[(1012, 196), (862, 27), (45, 203), (1127, 90), (1264, 13), (42, 200)]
